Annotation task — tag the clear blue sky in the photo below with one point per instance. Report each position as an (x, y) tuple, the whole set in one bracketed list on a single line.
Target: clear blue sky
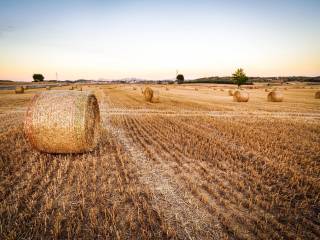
[(151, 39)]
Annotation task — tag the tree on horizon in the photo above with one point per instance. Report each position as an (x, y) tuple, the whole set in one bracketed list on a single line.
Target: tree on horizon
[(38, 77), (239, 77)]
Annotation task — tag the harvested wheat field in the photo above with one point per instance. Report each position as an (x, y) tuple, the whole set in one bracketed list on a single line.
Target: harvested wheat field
[(191, 165)]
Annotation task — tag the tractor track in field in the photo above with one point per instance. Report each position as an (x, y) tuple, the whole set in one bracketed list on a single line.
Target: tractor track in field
[(192, 222), (261, 114)]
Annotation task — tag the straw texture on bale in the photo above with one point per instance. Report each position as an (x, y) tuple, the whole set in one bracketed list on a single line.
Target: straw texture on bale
[(19, 90), (231, 92), (240, 96), (148, 94), (275, 96), (63, 122), (317, 95)]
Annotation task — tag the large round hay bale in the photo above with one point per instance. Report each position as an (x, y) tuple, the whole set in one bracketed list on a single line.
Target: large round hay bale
[(317, 95), (63, 122), (231, 92), (275, 96), (240, 96), (148, 94), (19, 90)]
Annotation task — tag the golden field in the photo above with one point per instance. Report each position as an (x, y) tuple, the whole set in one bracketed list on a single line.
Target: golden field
[(193, 164)]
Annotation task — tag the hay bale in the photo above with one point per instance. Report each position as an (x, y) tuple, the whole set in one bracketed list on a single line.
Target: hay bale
[(266, 90), (63, 122), (275, 96), (196, 89), (222, 90), (134, 88), (156, 96), (231, 92), (167, 89), (71, 88), (317, 95), (148, 94), (19, 90), (48, 87), (240, 96)]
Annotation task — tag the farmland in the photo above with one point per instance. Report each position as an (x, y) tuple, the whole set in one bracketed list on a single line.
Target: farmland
[(193, 164)]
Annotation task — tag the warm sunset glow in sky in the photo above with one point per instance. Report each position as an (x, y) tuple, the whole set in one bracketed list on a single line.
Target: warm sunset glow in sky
[(151, 39)]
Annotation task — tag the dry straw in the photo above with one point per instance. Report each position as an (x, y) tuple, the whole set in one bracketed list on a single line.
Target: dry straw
[(317, 95), (148, 94), (231, 92), (19, 90), (240, 96), (63, 122), (275, 96)]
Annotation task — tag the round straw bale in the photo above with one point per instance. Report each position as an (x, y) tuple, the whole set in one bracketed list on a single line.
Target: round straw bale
[(63, 122), (71, 88), (196, 89), (240, 96), (266, 90), (134, 88), (317, 95), (275, 96), (221, 90), (148, 94), (231, 92), (19, 90)]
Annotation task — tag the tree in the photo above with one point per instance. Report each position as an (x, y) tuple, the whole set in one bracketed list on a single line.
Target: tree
[(38, 77), (239, 77), (180, 78)]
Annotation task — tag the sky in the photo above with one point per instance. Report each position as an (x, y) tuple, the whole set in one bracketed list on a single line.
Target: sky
[(153, 39)]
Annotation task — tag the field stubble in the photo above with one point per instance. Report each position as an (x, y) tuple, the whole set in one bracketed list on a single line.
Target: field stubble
[(159, 174)]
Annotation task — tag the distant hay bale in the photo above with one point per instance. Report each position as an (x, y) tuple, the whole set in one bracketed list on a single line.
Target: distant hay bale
[(134, 88), (222, 90), (79, 88), (240, 96), (167, 89), (156, 96), (266, 90), (285, 88), (231, 92), (71, 88), (63, 122), (19, 90), (48, 87), (275, 96), (196, 89), (148, 94), (317, 95)]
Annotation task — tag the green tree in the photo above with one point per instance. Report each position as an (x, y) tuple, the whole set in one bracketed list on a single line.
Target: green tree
[(38, 77), (239, 77), (180, 78)]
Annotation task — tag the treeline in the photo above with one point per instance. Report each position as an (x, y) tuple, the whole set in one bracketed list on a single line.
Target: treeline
[(228, 80)]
